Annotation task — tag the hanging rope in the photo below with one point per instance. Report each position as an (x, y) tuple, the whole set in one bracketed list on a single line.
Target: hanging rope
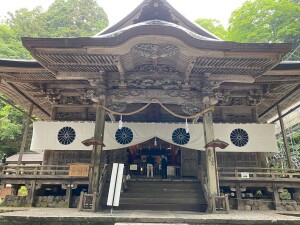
[(156, 101)]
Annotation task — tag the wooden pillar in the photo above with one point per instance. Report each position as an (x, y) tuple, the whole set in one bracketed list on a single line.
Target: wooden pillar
[(15, 189), (276, 198), (210, 155), (85, 113), (261, 156), (97, 150), (32, 193), (68, 195), (285, 141), (25, 134), (53, 113), (240, 203)]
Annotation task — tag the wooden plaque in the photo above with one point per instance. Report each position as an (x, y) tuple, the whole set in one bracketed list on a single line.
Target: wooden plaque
[(79, 170)]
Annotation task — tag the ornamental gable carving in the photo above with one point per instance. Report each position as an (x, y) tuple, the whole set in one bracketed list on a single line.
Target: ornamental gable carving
[(155, 84), (155, 10), (155, 51), (191, 108), (149, 69)]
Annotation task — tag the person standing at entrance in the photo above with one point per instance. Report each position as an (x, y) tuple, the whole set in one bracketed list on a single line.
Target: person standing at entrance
[(164, 166), (150, 163)]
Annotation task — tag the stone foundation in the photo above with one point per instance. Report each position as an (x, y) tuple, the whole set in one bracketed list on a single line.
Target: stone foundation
[(264, 205), (290, 205), (261, 205), (15, 201), (41, 201)]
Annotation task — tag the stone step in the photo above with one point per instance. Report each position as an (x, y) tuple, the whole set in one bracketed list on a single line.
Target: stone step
[(161, 200), (164, 207), (157, 194), (160, 195)]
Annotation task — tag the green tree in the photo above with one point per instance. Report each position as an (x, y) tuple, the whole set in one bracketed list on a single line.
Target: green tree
[(75, 18), (27, 23), (213, 26), (64, 18), (11, 126), (11, 47), (270, 21)]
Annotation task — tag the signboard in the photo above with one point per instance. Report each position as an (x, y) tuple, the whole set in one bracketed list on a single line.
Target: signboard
[(79, 170), (115, 184), (133, 167), (245, 175)]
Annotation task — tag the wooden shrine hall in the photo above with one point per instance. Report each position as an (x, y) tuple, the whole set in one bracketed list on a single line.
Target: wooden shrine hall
[(155, 84)]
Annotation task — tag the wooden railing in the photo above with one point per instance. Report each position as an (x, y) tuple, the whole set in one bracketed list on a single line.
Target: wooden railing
[(90, 202), (215, 202), (257, 173), (39, 170), (103, 178), (220, 203)]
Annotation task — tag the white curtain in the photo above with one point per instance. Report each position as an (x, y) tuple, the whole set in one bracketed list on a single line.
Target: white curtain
[(261, 137), (145, 131)]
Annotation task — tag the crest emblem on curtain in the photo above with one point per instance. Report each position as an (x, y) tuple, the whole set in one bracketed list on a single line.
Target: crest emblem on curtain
[(180, 136), (66, 135), (124, 135), (239, 137)]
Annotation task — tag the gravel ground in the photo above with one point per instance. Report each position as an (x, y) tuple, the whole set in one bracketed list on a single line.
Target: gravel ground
[(234, 215)]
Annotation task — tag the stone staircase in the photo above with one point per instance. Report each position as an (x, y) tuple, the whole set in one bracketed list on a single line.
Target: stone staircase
[(155, 194)]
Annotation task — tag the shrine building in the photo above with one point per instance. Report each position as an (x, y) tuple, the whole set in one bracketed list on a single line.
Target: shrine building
[(153, 84)]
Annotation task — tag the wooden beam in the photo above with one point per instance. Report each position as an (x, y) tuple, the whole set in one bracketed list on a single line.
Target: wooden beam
[(14, 88), (285, 140), (287, 113), (118, 63), (25, 135), (188, 71), (280, 100), (16, 107)]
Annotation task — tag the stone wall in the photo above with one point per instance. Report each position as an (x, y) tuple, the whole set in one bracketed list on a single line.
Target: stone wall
[(262, 205), (290, 205), (40, 201), (51, 202), (15, 201)]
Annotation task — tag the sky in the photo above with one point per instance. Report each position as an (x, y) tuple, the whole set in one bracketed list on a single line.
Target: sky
[(118, 9)]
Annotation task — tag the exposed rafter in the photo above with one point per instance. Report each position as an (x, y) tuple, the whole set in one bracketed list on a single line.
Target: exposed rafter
[(16, 89)]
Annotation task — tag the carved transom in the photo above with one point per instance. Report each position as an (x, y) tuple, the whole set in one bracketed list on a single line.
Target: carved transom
[(156, 69), (155, 51), (155, 84), (191, 108), (117, 106), (94, 95)]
